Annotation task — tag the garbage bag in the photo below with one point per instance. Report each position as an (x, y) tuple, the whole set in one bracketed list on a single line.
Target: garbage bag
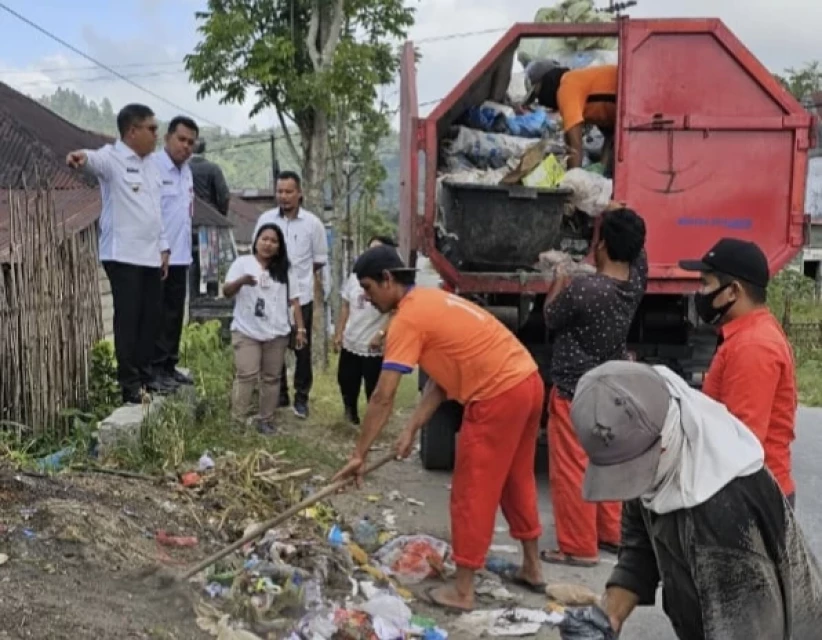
[(530, 125), (486, 119), (586, 623), (592, 192), (547, 175), (483, 150), (409, 558)]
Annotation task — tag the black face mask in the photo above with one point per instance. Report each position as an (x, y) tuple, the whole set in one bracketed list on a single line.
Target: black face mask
[(705, 305)]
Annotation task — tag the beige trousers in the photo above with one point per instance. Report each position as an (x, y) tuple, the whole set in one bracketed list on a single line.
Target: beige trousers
[(257, 362)]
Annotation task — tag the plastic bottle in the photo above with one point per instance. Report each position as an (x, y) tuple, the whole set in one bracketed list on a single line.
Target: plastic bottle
[(366, 534)]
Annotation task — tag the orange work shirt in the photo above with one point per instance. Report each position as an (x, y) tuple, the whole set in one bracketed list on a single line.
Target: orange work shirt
[(754, 375), (462, 347), (577, 86)]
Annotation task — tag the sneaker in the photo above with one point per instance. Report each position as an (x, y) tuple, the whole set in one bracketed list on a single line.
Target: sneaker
[(182, 378), (301, 410), (351, 416), (159, 387)]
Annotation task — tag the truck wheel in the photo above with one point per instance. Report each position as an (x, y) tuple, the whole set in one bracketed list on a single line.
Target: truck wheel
[(438, 441)]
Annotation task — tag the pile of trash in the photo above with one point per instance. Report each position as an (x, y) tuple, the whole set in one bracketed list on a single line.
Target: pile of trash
[(240, 490)]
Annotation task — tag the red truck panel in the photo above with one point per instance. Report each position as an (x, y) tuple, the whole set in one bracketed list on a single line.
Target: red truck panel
[(708, 145)]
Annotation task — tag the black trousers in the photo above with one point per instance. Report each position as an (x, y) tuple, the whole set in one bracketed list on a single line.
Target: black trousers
[(137, 294), (303, 372), (167, 346), (352, 371)]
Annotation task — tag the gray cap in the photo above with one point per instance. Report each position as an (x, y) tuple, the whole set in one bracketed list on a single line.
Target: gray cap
[(534, 73), (618, 412)]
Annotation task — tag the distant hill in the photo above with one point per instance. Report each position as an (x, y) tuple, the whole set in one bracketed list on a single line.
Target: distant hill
[(246, 163)]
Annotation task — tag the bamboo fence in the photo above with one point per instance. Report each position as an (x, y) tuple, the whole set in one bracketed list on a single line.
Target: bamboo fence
[(50, 317)]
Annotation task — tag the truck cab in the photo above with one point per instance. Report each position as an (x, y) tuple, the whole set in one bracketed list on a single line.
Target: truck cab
[(707, 144)]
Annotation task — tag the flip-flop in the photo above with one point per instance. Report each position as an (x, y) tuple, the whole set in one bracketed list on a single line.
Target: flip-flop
[(609, 547), (430, 599), (513, 576), (557, 557)]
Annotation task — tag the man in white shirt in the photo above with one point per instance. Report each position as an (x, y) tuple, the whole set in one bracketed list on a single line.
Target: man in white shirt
[(133, 246), (307, 245), (178, 210)]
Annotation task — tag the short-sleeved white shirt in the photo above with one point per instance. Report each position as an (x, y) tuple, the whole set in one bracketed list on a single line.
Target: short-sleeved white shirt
[(364, 319), (261, 312)]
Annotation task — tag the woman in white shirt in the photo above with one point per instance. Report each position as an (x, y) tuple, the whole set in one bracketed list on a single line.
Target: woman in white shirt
[(359, 338), (266, 298)]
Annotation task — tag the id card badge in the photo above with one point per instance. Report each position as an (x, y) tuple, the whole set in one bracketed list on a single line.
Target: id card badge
[(265, 280)]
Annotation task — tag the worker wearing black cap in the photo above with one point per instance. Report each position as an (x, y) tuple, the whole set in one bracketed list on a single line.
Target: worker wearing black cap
[(753, 372)]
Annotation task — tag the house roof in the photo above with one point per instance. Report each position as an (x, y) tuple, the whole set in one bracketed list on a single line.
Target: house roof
[(244, 214), (34, 142)]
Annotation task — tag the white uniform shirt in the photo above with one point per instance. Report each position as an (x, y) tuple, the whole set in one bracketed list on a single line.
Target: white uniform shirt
[(306, 242), (177, 206), (131, 223), (261, 312), (364, 319)]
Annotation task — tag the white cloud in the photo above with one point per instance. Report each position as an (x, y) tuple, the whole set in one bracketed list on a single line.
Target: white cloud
[(780, 34)]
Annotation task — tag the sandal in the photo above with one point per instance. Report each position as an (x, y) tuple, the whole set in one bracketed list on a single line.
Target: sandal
[(557, 557), (513, 576), (431, 600)]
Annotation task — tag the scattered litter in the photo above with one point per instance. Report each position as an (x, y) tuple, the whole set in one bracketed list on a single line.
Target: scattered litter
[(3, 559), (390, 608), (55, 461), (501, 566), (395, 496), (390, 518), (373, 498), (206, 463), (27, 513), (175, 541), (129, 512), (493, 588), (415, 502), (412, 559), (190, 479), (571, 595), (365, 534), (586, 623), (504, 548), (216, 590), (506, 622), (336, 537), (28, 533)]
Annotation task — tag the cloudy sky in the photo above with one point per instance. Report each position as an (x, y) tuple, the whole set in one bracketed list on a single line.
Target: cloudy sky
[(147, 39)]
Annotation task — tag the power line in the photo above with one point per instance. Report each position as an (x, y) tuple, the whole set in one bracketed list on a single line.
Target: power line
[(79, 79), (458, 36), (122, 77), (127, 65)]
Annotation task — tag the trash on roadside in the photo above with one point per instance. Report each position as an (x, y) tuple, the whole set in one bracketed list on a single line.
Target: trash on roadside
[(514, 622), (493, 588), (571, 595), (411, 559), (55, 461), (190, 479), (414, 502), (395, 496), (501, 566), (586, 623), (28, 533), (336, 538), (366, 534), (206, 462), (167, 540), (3, 559)]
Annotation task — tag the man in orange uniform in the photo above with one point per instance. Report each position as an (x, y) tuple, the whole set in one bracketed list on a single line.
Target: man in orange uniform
[(589, 322), (473, 358), (582, 96), (753, 372)]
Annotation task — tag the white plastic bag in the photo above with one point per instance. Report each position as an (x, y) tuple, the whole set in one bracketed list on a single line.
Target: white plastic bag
[(592, 192)]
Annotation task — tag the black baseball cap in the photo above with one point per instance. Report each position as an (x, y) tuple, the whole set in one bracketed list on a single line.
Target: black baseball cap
[(374, 261), (736, 258)]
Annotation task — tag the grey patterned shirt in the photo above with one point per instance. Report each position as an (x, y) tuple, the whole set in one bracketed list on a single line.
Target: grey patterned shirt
[(589, 323)]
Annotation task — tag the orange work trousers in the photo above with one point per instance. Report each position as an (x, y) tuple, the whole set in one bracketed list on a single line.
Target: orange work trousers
[(495, 468), (580, 525)]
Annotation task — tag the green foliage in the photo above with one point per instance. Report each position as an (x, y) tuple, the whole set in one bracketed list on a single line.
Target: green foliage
[(103, 391), (804, 81), (793, 286)]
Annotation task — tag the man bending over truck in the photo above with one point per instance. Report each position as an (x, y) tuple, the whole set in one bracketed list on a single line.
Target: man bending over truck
[(753, 371), (582, 96), (589, 319), (473, 358)]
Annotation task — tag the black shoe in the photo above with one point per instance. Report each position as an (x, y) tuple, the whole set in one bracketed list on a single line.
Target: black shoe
[(351, 416), (167, 380), (266, 429), (132, 397), (301, 409), (157, 386), (182, 378)]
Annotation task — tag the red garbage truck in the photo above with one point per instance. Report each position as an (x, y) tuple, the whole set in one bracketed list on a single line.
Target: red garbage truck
[(707, 144)]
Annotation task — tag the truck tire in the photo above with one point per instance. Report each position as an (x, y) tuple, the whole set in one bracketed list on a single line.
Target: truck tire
[(438, 440)]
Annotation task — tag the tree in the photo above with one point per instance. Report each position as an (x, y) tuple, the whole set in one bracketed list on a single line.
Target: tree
[(804, 82), (316, 63)]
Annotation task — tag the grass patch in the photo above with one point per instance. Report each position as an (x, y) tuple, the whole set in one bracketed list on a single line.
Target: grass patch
[(199, 420)]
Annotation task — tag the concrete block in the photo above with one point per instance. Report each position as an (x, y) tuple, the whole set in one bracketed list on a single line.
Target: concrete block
[(123, 428)]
